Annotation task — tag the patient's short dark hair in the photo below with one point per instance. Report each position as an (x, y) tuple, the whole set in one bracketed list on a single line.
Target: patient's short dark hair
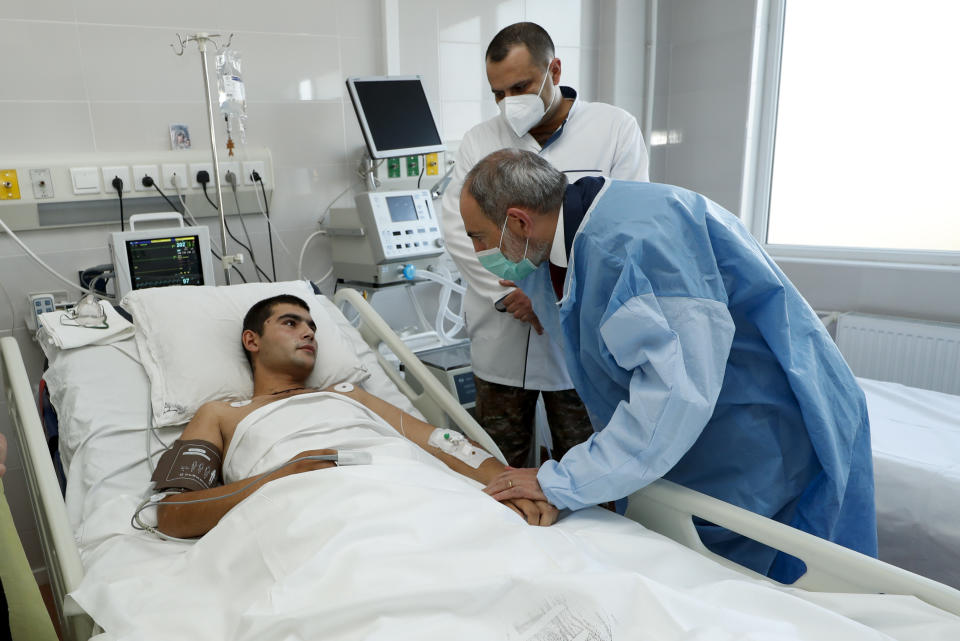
[(260, 312), (530, 34)]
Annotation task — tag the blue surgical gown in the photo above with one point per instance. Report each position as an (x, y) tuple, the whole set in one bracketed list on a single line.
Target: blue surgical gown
[(698, 361)]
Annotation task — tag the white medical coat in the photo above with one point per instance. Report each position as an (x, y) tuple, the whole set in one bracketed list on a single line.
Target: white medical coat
[(596, 139)]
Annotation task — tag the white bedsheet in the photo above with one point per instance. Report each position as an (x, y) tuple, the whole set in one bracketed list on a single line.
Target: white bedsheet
[(916, 458), (406, 549), (102, 397)]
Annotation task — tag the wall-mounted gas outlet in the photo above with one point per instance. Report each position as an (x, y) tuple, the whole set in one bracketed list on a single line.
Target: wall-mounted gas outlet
[(433, 164), (42, 183), (9, 185), (139, 171), (413, 166)]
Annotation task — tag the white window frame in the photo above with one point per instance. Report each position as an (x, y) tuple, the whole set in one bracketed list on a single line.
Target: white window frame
[(758, 160)]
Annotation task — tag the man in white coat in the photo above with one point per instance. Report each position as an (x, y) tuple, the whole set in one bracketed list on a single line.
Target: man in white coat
[(513, 360)]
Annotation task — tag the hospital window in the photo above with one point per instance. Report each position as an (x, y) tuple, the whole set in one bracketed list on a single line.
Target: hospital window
[(867, 126)]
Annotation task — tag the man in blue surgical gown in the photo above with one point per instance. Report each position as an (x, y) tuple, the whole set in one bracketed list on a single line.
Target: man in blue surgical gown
[(697, 359)]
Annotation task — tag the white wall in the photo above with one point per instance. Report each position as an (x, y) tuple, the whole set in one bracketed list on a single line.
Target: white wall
[(445, 41), (701, 96), (702, 93), (94, 76)]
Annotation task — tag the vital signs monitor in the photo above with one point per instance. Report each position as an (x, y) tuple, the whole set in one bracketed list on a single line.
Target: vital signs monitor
[(160, 257), (394, 115)]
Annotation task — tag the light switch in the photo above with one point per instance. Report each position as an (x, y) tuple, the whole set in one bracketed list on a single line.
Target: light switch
[(86, 180)]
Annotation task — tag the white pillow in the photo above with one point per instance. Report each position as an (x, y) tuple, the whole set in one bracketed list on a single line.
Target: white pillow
[(189, 342)]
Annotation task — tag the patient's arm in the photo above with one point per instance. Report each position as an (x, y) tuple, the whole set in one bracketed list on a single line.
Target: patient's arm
[(196, 519), (418, 431), (534, 512)]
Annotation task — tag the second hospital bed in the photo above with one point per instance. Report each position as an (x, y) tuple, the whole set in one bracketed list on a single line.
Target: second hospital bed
[(915, 436), (596, 568)]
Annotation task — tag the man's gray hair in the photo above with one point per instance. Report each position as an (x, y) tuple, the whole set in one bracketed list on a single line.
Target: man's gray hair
[(515, 178)]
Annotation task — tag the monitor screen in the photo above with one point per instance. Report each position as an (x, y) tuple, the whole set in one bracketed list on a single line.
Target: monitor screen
[(169, 260), (401, 208), (395, 116)]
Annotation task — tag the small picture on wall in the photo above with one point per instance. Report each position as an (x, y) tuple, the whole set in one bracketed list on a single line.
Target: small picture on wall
[(179, 137)]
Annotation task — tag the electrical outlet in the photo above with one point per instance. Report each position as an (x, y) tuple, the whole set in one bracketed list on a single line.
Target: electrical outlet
[(200, 166), (168, 172), (120, 171), (139, 171), (230, 166), (249, 167)]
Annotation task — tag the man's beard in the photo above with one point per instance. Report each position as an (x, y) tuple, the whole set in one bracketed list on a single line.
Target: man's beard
[(513, 249)]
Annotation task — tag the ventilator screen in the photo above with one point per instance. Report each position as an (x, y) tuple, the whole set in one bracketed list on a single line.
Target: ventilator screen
[(394, 116)]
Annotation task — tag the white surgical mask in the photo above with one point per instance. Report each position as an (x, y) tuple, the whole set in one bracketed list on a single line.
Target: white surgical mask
[(524, 111)]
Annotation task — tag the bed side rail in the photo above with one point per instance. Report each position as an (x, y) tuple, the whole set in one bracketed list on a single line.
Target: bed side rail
[(435, 399), (668, 508), (56, 537)]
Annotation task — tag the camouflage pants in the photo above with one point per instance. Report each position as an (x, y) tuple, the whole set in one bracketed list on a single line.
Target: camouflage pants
[(507, 413)]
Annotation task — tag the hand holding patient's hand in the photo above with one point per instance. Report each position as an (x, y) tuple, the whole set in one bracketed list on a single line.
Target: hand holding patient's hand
[(535, 512), (520, 490), (305, 466)]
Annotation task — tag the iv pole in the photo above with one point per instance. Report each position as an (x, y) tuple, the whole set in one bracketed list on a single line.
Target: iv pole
[(203, 40)]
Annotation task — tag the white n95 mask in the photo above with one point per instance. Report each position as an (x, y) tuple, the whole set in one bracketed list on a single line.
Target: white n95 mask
[(524, 111)]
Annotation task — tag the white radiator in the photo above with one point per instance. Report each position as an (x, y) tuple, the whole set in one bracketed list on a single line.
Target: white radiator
[(902, 350)]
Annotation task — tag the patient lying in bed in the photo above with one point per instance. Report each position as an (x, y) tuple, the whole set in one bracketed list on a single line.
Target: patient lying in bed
[(278, 338), (408, 548)]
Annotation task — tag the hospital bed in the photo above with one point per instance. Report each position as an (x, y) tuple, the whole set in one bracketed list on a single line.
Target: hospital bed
[(73, 540), (915, 437)]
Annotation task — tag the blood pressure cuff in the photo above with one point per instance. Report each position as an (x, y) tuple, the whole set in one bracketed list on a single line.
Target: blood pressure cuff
[(188, 465)]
